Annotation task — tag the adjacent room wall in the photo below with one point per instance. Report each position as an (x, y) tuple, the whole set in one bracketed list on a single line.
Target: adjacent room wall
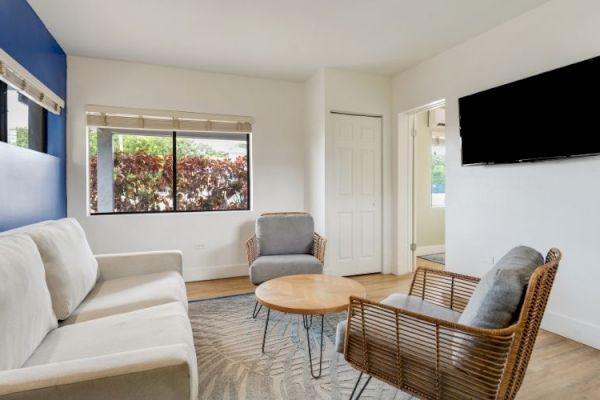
[(491, 209), (430, 221), (32, 183), (212, 242)]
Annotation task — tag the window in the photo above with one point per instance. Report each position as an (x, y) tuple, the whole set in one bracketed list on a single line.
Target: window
[(22, 122), (438, 171), (212, 172), (156, 171)]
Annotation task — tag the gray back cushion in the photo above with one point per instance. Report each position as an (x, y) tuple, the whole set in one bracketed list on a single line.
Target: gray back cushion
[(498, 295), (284, 234)]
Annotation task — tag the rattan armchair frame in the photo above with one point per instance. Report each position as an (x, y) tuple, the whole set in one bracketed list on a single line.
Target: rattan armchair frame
[(436, 359)]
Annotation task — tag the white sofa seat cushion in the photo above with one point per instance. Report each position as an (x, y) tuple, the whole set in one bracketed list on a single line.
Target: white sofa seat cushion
[(146, 329), (121, 295), (71, 268), (26, 314)]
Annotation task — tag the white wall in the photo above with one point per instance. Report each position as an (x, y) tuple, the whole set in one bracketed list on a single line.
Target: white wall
[(491, 209), (212, 242), (314, 148)]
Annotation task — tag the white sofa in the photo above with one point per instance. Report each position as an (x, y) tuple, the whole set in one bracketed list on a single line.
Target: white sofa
[(78, 326)]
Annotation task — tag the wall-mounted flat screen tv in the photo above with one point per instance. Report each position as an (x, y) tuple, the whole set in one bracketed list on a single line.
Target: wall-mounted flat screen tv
[(555, 114)]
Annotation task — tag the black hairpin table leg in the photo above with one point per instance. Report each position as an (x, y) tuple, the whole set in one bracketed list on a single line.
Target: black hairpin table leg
[(307, 322), (266, 326), (257, 308)]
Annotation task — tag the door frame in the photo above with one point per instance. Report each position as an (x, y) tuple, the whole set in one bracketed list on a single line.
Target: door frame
[(406, 223), (330, 114)]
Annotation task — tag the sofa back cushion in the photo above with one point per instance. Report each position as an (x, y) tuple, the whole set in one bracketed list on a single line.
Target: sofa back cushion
[(496, 298), (284, 234), (26, 314), (71, 268)]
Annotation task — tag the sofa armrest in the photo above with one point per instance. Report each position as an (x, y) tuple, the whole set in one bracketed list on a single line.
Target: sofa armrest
[(162, 373), (112, 266)]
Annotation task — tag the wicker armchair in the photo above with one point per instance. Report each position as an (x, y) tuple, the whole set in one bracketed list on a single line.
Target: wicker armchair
[(435, 359), (318, 250)]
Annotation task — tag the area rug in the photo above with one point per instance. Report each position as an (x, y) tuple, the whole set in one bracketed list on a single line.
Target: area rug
[(231, 365), (439, 258)]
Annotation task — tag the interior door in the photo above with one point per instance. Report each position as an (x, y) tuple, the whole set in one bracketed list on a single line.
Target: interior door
[(354, 195)]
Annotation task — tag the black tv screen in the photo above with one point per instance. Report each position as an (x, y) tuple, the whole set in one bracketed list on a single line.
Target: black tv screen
[(550, 115)]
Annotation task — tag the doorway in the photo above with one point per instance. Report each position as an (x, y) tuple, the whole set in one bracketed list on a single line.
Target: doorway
[(354, 194), (428, 186)]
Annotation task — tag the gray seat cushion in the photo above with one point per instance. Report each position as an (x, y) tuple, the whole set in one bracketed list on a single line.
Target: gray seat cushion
[(498, 295), (268, 267), (410, 303), (284, 234)]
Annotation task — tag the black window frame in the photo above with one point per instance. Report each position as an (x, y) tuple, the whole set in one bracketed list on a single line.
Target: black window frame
[(37, 122), (174, 187)]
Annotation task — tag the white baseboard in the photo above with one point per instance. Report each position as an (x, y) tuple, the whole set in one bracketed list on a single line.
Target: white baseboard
[(580, 331), (424, 250), (208, 273)]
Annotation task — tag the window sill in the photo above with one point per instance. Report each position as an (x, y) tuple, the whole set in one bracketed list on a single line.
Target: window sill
[(169, 212)]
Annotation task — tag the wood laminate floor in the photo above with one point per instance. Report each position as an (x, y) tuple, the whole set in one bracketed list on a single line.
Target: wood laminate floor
[(559, 369)]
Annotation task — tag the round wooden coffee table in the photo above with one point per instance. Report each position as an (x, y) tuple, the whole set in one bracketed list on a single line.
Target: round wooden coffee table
[(307, 295)]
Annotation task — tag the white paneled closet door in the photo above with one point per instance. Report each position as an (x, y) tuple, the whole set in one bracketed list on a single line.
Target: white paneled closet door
[(354, 195)]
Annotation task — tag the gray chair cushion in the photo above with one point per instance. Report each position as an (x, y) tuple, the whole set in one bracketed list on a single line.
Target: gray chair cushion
[(410, 303), (498, 295), (284, 234), (268, 267)]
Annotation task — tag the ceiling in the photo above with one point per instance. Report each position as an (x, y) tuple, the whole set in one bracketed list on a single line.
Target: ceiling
[(288, 39)]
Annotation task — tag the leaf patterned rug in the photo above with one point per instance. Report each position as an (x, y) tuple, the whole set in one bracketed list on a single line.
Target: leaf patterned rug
[(231, 365)]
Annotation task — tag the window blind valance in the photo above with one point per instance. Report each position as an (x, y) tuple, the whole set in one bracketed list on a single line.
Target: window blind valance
[(132, 118), (14, 74)]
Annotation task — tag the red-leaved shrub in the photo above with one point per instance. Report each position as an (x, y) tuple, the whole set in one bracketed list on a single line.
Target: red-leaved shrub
[(144, 182)]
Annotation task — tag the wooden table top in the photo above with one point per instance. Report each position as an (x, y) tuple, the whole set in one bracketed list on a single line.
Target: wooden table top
[(309, 294)]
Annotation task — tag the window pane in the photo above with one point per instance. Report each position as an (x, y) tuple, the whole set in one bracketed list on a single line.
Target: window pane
[(92, 170), (212, 173), (130, 172), (438, 172), (17, 118), (143, 172)]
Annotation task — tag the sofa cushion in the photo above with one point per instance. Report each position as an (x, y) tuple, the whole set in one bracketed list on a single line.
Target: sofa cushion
[(268, 267), (146, 329), (497, 296), (71, 269), (410, 303), (121, 295), (142, 329), (284, 234), (26, 314)]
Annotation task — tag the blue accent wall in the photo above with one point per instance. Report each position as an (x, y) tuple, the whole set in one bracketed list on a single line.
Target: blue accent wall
[(33, 184)]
